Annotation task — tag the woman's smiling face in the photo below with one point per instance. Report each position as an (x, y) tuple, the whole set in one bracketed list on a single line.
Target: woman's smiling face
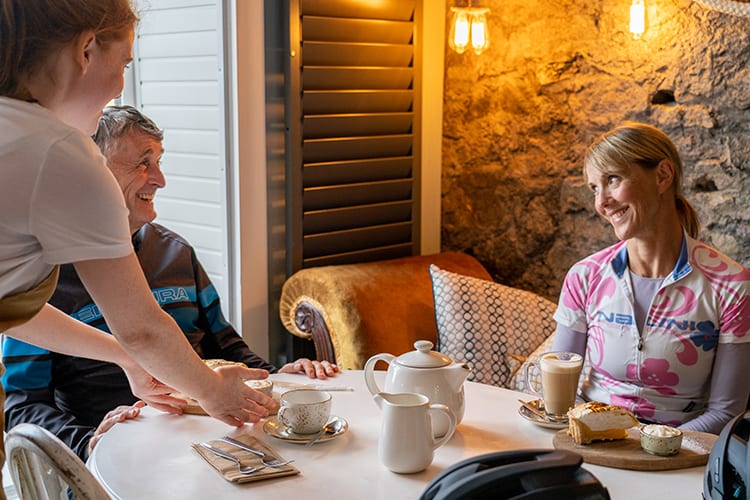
[(627, 199)]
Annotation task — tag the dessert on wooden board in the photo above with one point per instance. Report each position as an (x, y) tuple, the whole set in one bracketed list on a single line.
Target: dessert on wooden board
[(595, 421)]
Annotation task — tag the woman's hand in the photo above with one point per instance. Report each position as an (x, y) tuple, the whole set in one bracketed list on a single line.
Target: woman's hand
[(119, 414), (154, 393), (313, 369), (231, 400)]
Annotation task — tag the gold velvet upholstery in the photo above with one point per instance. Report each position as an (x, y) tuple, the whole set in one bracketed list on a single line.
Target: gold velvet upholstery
[(354, 311)]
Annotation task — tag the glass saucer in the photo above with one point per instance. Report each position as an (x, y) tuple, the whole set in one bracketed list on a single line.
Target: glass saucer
[(274, 428), (537, 419)]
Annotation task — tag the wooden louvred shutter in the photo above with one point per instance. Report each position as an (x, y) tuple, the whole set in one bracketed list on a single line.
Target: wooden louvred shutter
[(353, 173)]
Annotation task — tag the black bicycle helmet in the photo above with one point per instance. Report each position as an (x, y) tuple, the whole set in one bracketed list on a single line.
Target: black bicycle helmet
[(519, 474), (728, 469)]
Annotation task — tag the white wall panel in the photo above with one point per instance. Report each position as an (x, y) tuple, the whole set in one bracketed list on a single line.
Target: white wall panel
[(204, 214), (201, 237), (170, 4), (207, 191), (179, 82), (178, 45), (189, 117), (189, 19), (165, 69), (190, 165), (205, 142), (180, 93)]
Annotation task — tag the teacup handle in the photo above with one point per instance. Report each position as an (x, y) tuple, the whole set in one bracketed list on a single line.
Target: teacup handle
[(280, 416), (439, 408), (526, 377)]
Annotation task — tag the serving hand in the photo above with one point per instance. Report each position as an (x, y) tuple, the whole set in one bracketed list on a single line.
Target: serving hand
[(153, 392), (230, 400)]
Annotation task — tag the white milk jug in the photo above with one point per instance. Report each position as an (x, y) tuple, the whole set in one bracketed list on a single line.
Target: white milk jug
[(406, 442)]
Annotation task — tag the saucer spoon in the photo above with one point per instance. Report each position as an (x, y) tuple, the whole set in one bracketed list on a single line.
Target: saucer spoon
[(331, 427), (539, 413)]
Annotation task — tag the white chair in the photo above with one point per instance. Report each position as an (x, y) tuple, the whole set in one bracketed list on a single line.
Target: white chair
[(44, 468)]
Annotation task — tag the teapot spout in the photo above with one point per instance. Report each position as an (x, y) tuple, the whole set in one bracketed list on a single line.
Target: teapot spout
[(458, 374)]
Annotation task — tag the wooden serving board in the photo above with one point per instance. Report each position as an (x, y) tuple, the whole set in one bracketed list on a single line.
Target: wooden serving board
[(628, 454), (192, 407)]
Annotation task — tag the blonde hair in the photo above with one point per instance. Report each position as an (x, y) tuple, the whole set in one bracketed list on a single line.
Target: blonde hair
[(32, 31), (633, 143)]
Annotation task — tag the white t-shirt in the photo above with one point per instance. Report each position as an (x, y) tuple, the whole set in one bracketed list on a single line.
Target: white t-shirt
[(59, 202)]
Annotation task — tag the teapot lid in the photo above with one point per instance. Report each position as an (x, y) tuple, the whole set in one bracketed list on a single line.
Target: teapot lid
[(424, 356)]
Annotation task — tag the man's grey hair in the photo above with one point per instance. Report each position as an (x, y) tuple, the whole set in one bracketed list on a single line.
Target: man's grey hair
[(116, 121)]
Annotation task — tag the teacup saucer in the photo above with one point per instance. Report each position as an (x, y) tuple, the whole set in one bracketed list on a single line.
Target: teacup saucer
[(538, 419), (274, 428)]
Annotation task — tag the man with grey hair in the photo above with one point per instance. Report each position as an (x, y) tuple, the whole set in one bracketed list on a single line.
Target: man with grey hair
[(79, 399)]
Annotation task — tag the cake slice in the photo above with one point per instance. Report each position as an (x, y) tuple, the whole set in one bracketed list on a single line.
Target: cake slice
[(595, 421)]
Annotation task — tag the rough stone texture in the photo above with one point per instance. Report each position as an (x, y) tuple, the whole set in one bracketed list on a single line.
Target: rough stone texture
[(518, 118)]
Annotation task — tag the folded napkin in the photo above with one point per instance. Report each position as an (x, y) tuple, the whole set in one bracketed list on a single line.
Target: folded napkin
[(228, 469)]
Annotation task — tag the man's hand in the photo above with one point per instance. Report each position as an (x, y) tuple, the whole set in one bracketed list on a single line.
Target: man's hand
[(119, 414), (313, 369)]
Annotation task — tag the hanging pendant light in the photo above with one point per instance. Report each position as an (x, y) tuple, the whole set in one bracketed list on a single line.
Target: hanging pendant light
[(637, 18), (469, 29)]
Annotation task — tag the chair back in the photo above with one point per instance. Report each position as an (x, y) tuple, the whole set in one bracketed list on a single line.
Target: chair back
[(44, 468)]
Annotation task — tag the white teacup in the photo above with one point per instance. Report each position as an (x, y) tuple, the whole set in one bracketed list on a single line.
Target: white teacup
[(263, 385), (560, 372), (304, 411)]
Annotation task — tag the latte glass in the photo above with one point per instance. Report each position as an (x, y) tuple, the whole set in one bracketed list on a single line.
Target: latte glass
[(559, 374)]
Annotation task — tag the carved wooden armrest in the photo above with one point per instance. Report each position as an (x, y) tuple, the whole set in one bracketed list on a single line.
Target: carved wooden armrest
[(309, 320)]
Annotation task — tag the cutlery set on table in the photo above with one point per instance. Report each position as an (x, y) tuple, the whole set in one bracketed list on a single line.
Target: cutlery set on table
[(244, 459), (303, 418)]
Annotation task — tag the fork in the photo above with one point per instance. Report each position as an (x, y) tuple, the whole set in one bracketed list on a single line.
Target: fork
[(246, 469), (274, 462)]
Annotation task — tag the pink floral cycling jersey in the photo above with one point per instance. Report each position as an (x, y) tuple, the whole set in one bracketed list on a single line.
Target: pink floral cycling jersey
[(663, 373)]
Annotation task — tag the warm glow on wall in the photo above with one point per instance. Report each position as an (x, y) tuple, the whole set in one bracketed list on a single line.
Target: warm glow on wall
[(469, 29), (637, 18)]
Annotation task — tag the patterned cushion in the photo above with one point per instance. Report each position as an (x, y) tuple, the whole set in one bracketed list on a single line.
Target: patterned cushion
[(482, 323)]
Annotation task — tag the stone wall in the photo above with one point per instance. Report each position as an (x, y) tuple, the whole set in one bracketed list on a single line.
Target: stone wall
[(518, 118)]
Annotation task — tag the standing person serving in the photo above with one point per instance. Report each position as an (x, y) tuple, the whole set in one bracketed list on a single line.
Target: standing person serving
[(662, 317), (80, 399), (61, 61)]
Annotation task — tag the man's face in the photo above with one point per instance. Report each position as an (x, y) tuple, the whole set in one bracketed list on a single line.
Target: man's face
[(134, 160)]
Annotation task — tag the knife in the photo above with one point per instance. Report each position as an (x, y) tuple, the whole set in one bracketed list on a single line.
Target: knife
[(319, 387), (243, 446), (219, 452)]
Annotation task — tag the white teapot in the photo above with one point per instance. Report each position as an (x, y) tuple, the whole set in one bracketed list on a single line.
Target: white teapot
[(426, 372)]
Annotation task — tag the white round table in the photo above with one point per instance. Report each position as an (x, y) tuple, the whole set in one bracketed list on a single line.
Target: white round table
[(151, 456)]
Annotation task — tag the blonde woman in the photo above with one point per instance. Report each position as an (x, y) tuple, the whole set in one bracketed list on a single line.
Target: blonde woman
[(662, 317)]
